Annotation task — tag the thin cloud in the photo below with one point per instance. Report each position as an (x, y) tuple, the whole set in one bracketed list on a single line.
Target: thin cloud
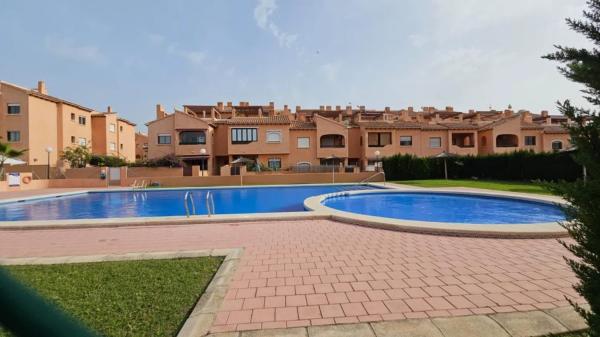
[(68, 49), (330, 70), (262, 15), (194, 57)]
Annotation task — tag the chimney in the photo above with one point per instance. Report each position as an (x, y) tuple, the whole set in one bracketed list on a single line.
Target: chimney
[(321, 107), (298, 108), (411, 109), (286, 110), (272, 105), (508, 113), (229, 104), (362, 108), (404, 115), (220, 106), (544, 113), (387, 109), (338, 108), (449, 109), (160, 111), (328, 108), (460, 117), (349, 110), (526, 116), (471, 111), (42, 88), (108, 109)]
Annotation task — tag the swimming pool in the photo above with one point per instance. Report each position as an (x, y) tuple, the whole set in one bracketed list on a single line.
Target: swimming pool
[(167, 202), (446, 207)]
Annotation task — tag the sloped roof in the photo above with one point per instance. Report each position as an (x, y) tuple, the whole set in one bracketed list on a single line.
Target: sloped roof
[(555, 129), (54, 99), (300, 125), (274, 120)]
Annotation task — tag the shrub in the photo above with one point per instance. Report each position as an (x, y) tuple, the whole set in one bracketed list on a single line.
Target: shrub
[(519, 165), (169, 160), (110, 161)]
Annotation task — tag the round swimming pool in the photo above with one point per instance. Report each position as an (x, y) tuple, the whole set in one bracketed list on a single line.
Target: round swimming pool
[(447, 207)]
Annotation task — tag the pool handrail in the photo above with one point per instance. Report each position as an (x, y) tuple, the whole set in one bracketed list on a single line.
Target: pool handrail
[(364, 181), (210, 204), (189, 196)]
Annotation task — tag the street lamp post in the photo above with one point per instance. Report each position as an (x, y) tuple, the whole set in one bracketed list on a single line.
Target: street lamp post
[(377, 163), (49, 149), (202, 152)]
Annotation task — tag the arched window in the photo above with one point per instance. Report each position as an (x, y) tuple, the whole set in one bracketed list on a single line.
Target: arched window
[(557, 145), (507, 140)]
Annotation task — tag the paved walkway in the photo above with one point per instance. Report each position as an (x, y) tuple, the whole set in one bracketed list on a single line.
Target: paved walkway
[(305, 273)]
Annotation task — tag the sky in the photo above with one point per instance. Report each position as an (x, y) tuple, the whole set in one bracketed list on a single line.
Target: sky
[(131, 55)]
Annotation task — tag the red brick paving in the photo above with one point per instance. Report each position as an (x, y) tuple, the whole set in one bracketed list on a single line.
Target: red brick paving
[(301, 273)]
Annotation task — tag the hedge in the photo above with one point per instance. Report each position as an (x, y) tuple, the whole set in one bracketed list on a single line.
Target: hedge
[(519, 165)]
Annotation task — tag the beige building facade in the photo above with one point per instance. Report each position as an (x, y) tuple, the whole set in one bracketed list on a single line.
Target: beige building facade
[(46, 125), (214, 136)]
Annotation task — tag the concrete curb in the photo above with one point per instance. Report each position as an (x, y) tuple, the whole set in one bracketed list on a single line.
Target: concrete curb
[(200, 320), (517, 324)]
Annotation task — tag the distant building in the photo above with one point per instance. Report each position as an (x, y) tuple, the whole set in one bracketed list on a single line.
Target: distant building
[(141, 146), (31, 119), (113, 135), (215, 135)]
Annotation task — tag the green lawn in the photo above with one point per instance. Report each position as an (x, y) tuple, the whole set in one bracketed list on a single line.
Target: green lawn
[(124, 298), (510, 186)]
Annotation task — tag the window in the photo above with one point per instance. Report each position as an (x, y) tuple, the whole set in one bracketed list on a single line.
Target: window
[(273, 136), (274, 164), (13, 109), (121, 146), (112, 146), (111, 127), (82, 142), (192, 137), (121, 128), (332, 141), (529, 140), (81, 120), (303, 142), (13, 136), (405, 140), (72, 117), (164, 139), (435, 142), (507, 140), (244, 135), (73, 139), (379, 139), (557, 145)]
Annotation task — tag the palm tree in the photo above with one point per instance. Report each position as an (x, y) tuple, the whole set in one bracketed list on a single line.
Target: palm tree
[(6, 151)]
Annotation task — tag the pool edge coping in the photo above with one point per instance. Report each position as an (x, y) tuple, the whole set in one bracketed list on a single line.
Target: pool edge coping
[(200, 319), (511, 231)]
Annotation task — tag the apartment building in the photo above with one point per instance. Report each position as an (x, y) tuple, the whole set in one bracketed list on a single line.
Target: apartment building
[(141, 146), (113, 135), (216, 135), (46, 125)]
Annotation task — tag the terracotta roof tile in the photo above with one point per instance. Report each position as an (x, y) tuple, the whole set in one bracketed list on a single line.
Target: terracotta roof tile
[(254, 120), (300, 125)]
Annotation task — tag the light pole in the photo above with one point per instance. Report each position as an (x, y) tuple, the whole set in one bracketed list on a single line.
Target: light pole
[(203, 153), (49, 149), (377, 154)]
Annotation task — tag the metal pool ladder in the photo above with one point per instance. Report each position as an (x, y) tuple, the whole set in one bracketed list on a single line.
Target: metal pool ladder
[(189, 198), (210, 204)]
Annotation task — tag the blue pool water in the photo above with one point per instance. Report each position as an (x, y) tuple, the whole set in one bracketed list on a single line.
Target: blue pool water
[(446, 207), (150, 203)]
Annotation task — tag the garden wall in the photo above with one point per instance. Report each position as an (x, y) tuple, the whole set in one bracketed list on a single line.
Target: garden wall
[(258, 179)]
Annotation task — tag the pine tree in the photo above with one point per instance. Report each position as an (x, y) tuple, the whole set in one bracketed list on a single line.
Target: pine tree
[(583, 213)]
